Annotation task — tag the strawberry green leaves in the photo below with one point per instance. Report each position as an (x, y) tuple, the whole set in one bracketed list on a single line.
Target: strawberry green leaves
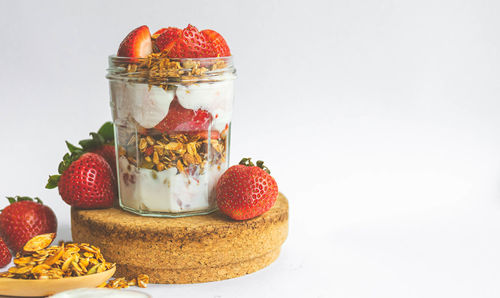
[(71, 147), (16, 199), (105, 135), (107, 132), (68, 159), (24, 198), (53, 181)]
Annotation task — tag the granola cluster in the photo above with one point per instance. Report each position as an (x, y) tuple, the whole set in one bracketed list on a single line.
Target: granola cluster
[(38, 261), (159, 70), (55, 262), (186, 152), (120, 283)]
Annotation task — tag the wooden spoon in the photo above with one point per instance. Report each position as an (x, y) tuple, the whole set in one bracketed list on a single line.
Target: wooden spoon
[(45, 287)]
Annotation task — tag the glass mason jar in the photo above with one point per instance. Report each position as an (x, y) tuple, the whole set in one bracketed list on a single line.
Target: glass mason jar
[(172, 131)]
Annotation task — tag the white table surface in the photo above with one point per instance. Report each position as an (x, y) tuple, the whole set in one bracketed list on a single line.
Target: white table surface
[(379, 120)]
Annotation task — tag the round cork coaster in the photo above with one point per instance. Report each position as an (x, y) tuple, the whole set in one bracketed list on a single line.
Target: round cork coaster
[(183, 250)]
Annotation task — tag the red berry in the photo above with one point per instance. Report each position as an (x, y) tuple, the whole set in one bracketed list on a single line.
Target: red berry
[(101, 143), (159, 32), (180, 119), (22, 220), (191, 44), (167, 37), (5, 255), (217, 42), (244, 191), (88, 183), (136, 44), (214, 134), (108, 152)]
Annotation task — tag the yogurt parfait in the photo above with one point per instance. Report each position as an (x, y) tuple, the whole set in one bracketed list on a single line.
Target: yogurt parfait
[(171, 99)]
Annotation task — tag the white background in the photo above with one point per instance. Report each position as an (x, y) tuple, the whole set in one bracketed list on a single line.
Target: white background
[(379, 120)]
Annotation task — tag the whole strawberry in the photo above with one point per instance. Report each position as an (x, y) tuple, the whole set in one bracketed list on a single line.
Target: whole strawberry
[(86, 180), (107, 151), (102, 143), (5, 255), (245, 191), (23, 219)]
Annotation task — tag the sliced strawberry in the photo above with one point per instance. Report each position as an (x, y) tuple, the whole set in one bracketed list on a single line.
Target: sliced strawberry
[(136, 44), (191, 44), (217, 43), (165, 41), (160, 31), (200, 122), (181, 119), (214, 134), (176, 115)]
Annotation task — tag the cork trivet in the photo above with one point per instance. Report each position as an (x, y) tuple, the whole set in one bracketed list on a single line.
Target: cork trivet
[(183, 250)]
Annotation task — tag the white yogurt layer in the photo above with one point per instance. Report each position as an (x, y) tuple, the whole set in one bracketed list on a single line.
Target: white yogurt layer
[(216, 98), (148, 106), (167, 191)]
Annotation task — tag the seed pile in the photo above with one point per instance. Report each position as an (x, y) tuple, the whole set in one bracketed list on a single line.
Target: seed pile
[(119, 283), (38, 261)]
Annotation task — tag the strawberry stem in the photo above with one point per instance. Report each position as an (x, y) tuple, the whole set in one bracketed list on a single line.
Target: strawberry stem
[(248, 162), (261, 165)]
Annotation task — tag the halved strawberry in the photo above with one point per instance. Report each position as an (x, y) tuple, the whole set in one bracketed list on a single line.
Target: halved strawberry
[(191, 44), (217, 43), (165, 41), (159, 31), (136, 44), (214, 134), (181, 119), (200, 122)]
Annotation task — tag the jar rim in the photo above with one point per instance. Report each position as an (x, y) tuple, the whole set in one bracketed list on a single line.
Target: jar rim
[(116, 58), (150, 69)]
